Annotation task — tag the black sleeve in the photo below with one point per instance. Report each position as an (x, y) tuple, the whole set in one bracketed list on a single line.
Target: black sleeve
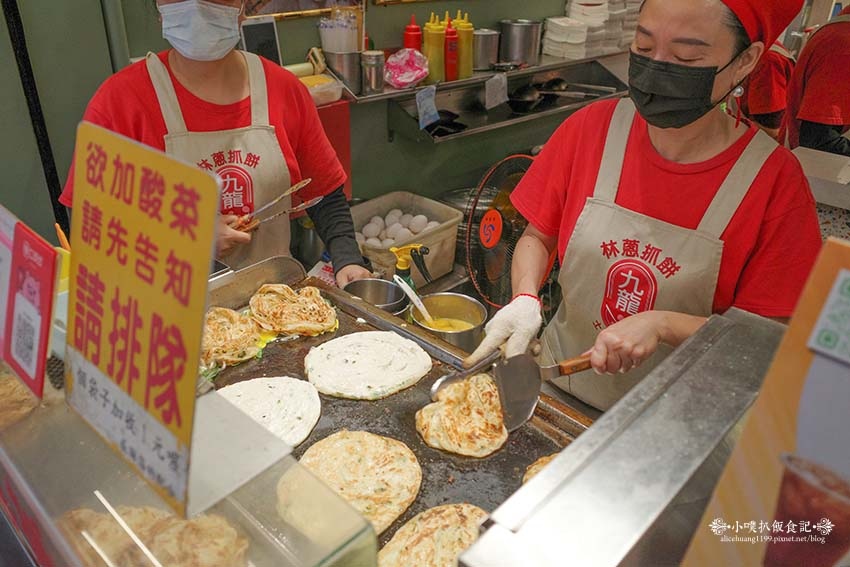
[(772, 120), (824, 137), (332, 218)]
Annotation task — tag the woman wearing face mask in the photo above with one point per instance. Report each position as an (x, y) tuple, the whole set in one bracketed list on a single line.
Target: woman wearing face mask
[(240, 116), (662, 208)]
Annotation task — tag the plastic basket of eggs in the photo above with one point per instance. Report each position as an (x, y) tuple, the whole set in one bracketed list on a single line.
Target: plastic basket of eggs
[(401, 218)]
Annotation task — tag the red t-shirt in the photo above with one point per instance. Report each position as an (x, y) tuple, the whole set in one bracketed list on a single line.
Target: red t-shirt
[(126, 103), (770, 244), (766, 87), (818, 91)]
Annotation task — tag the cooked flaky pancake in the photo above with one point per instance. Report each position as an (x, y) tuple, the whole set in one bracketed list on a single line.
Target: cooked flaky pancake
[(16, 401), (433, 538), (466, 418), (366, 366), (206, 541), (229, 338), (536, 467), (277, 308), (105, 532), (377, 475)]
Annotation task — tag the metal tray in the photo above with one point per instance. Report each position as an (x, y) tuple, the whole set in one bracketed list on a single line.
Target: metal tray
[(446, 478)]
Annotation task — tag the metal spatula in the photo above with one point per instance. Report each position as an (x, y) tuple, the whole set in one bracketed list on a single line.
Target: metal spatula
[(448, 379), (519, 379)]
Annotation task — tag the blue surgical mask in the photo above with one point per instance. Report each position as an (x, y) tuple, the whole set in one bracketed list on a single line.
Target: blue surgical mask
[(199, 30)]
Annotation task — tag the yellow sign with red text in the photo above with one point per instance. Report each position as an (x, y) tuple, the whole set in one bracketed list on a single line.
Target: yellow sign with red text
[(142, 241), (784, 497)]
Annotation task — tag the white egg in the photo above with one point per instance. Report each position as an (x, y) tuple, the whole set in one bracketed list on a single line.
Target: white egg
[(373, 242), (371, 230), (392, 231), (432, 224), (418, 224), (379, 221), (359, 238), (392, 218), (403, 235), (387, 242), (405, 220), (396, 213)]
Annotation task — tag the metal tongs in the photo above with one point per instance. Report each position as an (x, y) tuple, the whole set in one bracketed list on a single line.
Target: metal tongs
[(254, 223), (244, 222), (450, 379)]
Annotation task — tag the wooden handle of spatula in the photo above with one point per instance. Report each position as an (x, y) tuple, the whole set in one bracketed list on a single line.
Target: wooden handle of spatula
[(573, 365)]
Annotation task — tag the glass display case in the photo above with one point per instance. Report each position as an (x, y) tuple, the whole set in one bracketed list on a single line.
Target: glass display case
[(75, 502)]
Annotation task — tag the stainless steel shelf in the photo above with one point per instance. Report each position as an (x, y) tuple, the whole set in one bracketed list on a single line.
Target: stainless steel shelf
[(547, 63), (465, 101)]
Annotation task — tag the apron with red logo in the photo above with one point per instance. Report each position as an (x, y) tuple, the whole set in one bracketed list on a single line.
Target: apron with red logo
[(248, 160), (619, 263)]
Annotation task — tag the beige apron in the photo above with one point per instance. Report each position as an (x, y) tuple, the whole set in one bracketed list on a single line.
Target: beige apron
[(782, 51), (619, 263), (248, 160)]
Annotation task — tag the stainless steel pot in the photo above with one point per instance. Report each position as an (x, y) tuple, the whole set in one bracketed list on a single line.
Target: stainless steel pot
[(454, 306), (521, 41), (383, 294), (485, 49)]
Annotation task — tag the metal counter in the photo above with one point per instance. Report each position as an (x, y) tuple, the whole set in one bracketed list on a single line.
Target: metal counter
[(631, 490)]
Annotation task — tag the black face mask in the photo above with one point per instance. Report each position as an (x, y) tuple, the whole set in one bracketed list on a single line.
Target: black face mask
[(668, 95)]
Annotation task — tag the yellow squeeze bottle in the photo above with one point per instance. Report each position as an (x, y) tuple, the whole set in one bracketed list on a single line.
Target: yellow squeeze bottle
[(433, 45), (465, 31)]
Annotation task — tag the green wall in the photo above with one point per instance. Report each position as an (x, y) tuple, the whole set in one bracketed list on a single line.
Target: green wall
[(379, 166), (67, 47)]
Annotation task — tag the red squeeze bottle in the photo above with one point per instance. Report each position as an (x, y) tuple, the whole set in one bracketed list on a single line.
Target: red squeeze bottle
[(413, 35), (451, 52)]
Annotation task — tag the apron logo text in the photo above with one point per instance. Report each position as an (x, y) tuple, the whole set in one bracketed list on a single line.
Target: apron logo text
[(650, 254), (630, 288), (237, 194)]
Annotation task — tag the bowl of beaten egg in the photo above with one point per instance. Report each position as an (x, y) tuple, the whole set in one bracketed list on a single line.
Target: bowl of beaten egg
[(458, 319)]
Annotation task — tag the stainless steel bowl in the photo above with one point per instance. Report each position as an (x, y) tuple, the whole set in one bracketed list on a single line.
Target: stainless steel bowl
[(383, 294), (455, 306)]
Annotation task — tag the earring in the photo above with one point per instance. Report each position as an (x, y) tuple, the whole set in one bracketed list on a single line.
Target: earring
[(738, 93)]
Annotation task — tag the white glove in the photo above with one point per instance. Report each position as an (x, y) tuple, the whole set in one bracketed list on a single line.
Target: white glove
[(515, 326)]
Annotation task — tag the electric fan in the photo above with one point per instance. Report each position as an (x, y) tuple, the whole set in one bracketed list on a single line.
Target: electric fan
[(492, 236)]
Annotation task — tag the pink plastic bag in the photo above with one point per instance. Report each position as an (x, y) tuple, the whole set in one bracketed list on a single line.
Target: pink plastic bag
[(405, 68)]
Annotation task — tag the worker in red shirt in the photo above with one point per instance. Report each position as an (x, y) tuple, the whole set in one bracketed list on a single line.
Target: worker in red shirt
[(766, 89), (661, 208), (237, 115), (818, 114)]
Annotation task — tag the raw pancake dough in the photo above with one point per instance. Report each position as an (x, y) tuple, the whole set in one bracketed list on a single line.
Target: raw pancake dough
[(287, 407), (366, 366)]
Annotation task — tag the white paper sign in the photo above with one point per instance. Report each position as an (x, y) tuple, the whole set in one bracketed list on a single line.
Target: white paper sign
[(146, 442), (496, 91)]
